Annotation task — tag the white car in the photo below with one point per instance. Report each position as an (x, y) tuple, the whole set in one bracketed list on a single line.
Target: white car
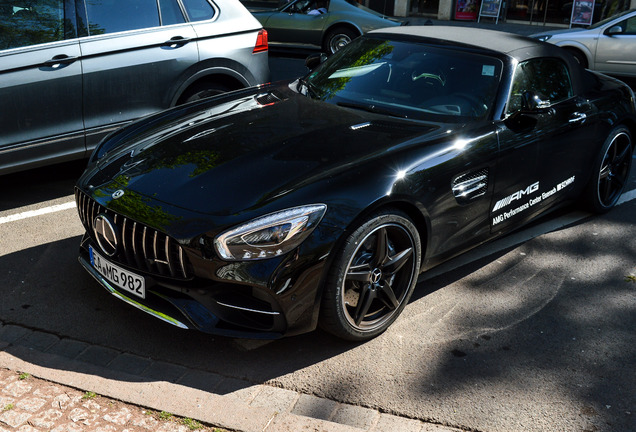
[(608, 46)]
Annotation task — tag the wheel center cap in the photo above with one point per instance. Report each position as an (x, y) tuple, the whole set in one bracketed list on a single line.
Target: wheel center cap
[(376, 275)]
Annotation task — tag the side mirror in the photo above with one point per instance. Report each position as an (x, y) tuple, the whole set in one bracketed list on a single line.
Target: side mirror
[(315, 60), (531, 103), (526, 118), (614, 30)]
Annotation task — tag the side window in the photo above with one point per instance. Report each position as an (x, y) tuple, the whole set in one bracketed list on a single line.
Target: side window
[(30, 23), (548, 78), (199, 10), (111, 16), (170, 12), (628, 26)]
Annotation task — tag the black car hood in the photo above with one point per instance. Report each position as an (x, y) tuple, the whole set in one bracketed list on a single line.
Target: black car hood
[(229, 156)]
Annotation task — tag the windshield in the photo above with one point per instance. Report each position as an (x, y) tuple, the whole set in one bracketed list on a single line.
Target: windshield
[(408, 79), (612, 18)]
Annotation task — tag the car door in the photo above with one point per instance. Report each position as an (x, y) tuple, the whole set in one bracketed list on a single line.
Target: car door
[(542, 142), (40, 84), (616, 49), (293, 26), (134, 54)]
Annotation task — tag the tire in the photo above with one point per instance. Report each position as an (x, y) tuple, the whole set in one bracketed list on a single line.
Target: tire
[(202, 91), (338, 38), (579, 56), (372, 277), (610, 171)]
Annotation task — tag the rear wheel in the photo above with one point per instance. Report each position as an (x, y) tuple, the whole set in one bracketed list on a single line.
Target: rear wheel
[(337, 38), (611, 171), (372, 278), (202, 91)]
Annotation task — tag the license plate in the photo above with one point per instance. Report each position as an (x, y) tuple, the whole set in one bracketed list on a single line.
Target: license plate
[(121, 278)]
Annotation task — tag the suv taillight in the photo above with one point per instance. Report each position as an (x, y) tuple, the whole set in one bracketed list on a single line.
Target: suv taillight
[(261, 42)]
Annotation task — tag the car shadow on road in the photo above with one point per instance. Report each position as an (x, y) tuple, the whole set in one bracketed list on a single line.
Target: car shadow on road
[(39, 185)]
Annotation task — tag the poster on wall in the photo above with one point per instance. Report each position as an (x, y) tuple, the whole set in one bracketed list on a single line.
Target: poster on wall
[(466, 10), (582, 12), (490, 8)]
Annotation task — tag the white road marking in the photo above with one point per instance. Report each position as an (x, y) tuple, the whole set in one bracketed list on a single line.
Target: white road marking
[(38, 212), (627, 196)]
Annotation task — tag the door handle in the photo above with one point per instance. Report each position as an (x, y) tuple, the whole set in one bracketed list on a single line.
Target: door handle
[(59, 60), (176, 41), (577, 117)]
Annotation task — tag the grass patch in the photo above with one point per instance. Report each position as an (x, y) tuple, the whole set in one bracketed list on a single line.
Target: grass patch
[(89, 395), (163, 415), (191, 424)]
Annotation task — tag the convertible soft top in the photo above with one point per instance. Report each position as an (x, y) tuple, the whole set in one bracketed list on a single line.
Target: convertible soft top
[(516, 46)]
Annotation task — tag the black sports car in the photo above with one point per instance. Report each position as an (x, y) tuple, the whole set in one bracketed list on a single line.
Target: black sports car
[(267, 211)]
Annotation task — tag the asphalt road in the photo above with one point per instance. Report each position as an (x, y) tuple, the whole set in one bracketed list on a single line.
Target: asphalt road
[(533, 332)]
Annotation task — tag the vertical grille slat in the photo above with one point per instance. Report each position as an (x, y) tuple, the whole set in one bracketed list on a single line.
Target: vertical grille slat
[(182, 263), (141, 247), (167, 250)]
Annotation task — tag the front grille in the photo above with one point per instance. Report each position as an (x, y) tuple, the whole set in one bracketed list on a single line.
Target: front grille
[(139, 247)]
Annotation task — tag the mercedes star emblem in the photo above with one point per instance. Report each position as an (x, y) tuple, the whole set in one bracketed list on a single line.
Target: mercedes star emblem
[(106, 234)]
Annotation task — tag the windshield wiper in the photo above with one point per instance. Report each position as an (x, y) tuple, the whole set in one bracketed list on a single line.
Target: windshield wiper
[(371, 108)]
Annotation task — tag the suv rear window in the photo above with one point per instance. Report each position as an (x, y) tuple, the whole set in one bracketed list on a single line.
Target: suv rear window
[(199, 10), (29, 23)]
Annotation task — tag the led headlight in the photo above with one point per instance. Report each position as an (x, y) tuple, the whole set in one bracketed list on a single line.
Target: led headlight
[(544, 38), (270, 235)]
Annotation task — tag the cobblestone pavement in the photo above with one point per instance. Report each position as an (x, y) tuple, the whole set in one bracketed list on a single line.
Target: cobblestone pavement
[(29, 404)]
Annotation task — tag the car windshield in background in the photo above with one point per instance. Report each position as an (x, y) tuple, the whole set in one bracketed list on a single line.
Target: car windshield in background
[(408, 80)]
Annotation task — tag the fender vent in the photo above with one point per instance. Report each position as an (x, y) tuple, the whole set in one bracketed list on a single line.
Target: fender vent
[(470, 186)]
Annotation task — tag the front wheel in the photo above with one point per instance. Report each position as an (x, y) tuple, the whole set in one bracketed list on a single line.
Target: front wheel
[(372, 277), (610, 171), (579, 56)]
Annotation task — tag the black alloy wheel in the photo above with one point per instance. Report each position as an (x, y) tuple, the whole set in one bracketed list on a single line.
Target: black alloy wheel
[(372, 278), (611, 171)]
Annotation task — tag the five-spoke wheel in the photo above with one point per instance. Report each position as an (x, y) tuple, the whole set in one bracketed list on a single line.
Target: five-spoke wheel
[(611, 170), (372, 277)]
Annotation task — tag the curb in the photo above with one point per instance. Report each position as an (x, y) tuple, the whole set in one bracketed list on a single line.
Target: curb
[(210, 398)]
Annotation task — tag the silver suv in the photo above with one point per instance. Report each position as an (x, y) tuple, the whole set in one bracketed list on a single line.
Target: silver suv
[(71, 71)]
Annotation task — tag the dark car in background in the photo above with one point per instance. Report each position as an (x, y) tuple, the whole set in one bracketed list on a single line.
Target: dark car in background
[(265, 212), (71, 71), (320, 24)]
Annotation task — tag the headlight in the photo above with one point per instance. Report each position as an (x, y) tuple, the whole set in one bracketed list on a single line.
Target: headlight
[(270, 235), (544, 38)]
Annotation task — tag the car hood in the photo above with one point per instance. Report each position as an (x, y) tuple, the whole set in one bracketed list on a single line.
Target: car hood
[(559, 32), (230, 156)]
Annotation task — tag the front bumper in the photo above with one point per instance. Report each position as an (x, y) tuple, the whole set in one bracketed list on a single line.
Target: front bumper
[(208, 306)]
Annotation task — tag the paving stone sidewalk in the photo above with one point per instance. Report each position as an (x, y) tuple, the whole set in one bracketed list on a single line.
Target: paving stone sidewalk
[(130, 390)]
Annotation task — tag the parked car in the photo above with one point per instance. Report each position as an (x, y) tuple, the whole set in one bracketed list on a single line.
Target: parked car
[(608, 46), (71, 71), (324, 24), (265, 212)]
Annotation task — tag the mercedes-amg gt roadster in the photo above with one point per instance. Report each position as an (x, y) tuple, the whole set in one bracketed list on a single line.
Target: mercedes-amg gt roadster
[(271, 210)]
